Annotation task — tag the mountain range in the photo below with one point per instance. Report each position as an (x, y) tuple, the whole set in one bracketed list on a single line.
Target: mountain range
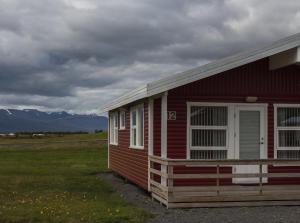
[(32, 120)]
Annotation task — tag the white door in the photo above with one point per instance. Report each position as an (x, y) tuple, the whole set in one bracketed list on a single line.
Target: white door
[(250, 143)]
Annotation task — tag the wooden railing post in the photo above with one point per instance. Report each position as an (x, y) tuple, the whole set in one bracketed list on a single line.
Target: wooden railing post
[(151, 174), (218, 179), (170, 181), (170, 173), (260, 179)]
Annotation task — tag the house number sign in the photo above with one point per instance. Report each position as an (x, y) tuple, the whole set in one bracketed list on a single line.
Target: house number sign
[(172, 115)]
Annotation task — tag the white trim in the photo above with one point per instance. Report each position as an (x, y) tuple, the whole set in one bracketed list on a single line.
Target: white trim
[(150, 137), (120, 121), (137, 127), (115, 116), (164, 125), (108, 143), (209, 127), (224, 104), (263, 109), (204, 71), (276, 128), (150, 126), (188, 124), (164, 134), (209, 148), (189, 147), (231, 125), (263, 128), (131, 96), (136, 147), (284, 59)]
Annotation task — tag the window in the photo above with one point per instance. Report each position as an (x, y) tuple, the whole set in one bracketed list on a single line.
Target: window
[(137, 127), (113, 127), (288, 132), (208, 132), (122, 119)]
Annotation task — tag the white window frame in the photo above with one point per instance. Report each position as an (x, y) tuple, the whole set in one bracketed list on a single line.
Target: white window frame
[(113, 128), (137, 127), (277, 128), (190, 128), (122, 114)]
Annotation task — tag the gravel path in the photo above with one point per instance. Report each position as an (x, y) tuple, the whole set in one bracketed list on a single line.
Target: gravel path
[(142, 199)]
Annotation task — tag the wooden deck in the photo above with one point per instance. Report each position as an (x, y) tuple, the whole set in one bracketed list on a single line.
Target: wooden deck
[(164, 187)]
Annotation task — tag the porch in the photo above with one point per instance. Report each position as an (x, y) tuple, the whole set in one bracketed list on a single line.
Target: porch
[(178, 183)]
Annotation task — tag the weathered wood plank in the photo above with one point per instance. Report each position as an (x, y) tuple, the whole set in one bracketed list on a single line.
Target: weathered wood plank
[(158, 198), (234, 175), (234, 204), (158, 185), (239, 197), (183, 162), (158, 172), (234, 188)]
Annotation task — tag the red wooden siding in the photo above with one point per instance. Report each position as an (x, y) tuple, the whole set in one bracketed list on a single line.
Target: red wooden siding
[(131, 163), (254, 79)]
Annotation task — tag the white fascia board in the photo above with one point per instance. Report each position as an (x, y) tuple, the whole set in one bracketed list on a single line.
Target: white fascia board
[(284, 59), (127, 98)]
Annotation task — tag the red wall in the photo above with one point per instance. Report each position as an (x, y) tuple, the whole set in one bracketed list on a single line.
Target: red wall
[(254, 79), (131, 163)]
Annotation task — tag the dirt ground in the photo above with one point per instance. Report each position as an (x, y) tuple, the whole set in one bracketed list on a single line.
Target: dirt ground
[(140, 198)]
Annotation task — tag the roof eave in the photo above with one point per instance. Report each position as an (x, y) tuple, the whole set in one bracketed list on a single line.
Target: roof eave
[(134, 95)]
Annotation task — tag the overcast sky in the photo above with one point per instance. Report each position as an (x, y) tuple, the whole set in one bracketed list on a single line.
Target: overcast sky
[(77, 55)]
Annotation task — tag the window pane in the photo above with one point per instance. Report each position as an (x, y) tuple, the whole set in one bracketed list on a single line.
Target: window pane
[(208, 154), (288, 154), (141, 127), (211, 138), (133, 116), (208, 116), (289, 138), (116, 135), (134, 137), (115, 121), (122, 119), (288, 117), (112, 129)]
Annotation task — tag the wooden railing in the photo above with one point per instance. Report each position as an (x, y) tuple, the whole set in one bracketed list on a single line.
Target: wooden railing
[(164, 186)]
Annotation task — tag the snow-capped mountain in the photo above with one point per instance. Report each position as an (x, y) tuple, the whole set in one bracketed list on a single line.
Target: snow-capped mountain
[(32, 120)]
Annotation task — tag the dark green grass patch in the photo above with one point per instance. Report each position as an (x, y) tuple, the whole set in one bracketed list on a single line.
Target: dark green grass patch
[(59, 184)]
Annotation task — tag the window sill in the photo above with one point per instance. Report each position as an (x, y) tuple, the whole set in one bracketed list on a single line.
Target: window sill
[(114, 144), (122, 129), (136, 147)]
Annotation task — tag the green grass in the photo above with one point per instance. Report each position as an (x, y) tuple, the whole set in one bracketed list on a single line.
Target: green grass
[(52, 138), (59, 183)]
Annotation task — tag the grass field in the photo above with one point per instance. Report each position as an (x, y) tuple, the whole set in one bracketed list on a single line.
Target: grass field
[(59, 183), (52, 138)]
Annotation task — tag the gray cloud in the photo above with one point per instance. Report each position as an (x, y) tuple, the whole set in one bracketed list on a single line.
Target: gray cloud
[(76, 55)]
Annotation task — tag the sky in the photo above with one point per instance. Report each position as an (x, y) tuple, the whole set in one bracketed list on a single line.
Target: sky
[(78, 55)]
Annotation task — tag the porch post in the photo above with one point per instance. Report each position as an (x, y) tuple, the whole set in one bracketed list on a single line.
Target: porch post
[(164, 133), (108, 140), (150, 127), (150, 138)]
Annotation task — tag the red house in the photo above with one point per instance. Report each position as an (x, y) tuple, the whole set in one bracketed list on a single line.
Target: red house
[(223, 134)]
